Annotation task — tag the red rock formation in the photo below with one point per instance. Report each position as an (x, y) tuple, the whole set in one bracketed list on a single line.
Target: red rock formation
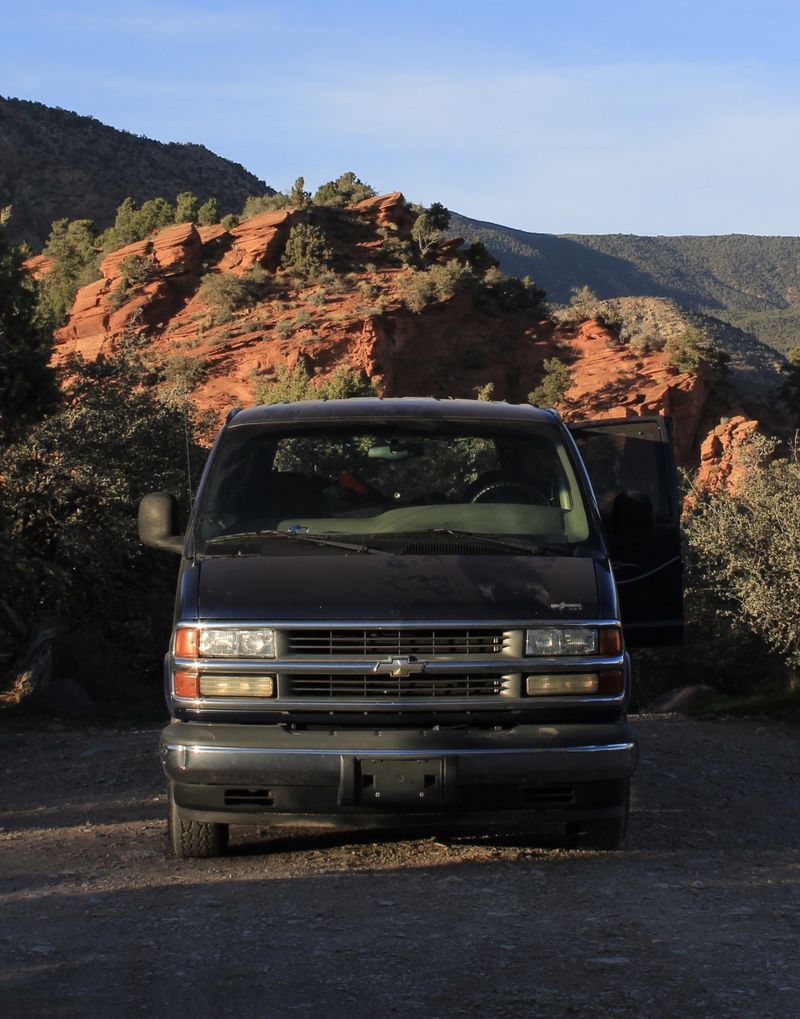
[(719, 454), (38, 265), (613, 380), (388, 211), (451, 348), (259, 241)]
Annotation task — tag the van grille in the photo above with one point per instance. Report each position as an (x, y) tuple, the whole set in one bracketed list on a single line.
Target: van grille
[(365, 685), (384, 642)]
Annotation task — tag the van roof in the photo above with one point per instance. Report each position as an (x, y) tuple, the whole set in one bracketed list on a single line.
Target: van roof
[(396, 409)]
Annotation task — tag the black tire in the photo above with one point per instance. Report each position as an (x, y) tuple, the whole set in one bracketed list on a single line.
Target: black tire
[(193, 840)]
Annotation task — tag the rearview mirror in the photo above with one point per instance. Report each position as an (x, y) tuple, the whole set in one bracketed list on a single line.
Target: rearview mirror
[(157, 522)]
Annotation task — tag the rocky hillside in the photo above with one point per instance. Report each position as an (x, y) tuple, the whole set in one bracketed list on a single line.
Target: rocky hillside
[(228, 314), (56, 164), (750, 282)]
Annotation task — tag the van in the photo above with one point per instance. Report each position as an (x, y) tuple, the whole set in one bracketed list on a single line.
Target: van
[(414, 612)]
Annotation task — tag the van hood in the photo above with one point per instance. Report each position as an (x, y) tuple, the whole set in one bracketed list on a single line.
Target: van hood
[(391, 587)]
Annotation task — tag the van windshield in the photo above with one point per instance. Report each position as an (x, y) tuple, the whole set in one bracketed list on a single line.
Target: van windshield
[(372, 484)]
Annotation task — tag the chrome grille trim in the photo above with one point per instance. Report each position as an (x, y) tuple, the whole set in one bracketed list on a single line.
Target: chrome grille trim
[(387, 641), (366, 685)]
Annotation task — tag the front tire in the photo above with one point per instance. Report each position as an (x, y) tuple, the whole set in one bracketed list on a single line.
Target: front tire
[(193, 840)]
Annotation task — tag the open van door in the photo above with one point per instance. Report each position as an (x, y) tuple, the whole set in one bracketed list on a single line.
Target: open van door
[(632, 470)]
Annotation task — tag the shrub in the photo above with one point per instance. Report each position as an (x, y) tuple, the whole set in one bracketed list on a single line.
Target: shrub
[(135, 269), (554, 384), (306, 254), (227, 293), (283, 328), (179, 377), (516, 294), (484, 392), (583, 304), (254, 206), (748, 545), (229, 221), (293, 384), (302, 318), (688, 350), (416, 291), (439, 283), (345, 190)]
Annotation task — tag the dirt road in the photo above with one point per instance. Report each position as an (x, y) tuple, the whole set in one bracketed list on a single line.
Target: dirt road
[(699, 915)]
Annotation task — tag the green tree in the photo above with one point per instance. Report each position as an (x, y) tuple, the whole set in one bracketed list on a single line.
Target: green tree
[(584, 304), (429, 226), (306, 254), (688, 350), (132, 224), (208, 213), (554, 384), (68, 496), (72, 247), (26, 382), (187, 207), (345, 190), (748, 546), (299, 198)]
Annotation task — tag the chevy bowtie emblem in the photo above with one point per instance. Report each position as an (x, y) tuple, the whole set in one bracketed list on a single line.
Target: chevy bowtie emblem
[(399, 668)]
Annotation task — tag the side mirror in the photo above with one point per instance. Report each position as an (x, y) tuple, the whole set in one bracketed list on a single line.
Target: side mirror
[(157, 522), (632, 517)]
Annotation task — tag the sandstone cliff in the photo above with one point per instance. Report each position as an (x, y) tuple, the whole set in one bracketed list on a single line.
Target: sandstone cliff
[(356, 315)]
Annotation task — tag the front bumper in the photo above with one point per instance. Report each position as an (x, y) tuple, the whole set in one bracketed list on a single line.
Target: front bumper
[(255, 774)]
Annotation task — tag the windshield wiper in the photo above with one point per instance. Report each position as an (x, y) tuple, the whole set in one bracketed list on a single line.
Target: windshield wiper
[(314, 539), (531, 548)]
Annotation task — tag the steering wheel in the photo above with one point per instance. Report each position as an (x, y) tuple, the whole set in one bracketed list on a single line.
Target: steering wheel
[(534, 495)]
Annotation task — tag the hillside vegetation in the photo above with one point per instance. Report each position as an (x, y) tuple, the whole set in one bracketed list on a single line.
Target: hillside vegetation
[(751, 282), (56, 164)]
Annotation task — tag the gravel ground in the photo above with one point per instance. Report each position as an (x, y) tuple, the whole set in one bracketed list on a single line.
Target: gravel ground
[(699, 914)]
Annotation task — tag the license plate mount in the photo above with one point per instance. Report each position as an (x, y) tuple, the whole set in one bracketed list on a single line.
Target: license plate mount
[(392, 782)]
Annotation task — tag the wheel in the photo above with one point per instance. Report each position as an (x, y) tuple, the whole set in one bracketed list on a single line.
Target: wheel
[(603, 835), (194, 839), (532, 494)]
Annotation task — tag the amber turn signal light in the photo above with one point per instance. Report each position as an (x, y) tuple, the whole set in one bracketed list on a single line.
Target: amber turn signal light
[(187, 640), (187, 684), (610, 641)]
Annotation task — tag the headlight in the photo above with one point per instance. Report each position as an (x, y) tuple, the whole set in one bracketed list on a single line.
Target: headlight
[(225, 642), (551, 641)]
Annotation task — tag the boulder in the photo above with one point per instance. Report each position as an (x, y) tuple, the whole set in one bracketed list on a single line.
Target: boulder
[(388, 211), (259, 241)]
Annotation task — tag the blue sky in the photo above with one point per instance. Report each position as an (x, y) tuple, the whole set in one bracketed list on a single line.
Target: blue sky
[(557, 116)]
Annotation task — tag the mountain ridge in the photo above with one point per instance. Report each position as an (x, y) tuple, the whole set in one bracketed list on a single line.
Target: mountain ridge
[(750, 281), (56, 164)]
